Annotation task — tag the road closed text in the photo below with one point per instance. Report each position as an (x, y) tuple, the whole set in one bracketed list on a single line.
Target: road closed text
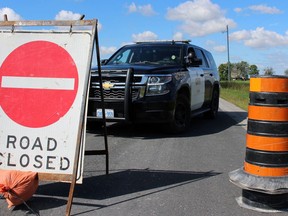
[(37, 153)]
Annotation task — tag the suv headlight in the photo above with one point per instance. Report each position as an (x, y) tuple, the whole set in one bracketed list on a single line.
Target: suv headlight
[(157, 85)]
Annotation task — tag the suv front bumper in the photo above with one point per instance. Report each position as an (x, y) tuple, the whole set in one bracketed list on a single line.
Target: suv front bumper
[(138, 111), (160, 111)]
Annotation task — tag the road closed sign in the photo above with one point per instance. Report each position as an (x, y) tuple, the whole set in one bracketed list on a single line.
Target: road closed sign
[(43, 83)]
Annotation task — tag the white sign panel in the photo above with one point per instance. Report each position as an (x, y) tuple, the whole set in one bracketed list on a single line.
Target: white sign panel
[(43, 79)]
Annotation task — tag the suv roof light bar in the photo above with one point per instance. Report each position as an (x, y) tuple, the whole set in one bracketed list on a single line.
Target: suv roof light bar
[(171, 41)]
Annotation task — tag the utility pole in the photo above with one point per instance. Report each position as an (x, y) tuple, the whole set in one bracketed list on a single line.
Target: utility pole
[(228, 55)]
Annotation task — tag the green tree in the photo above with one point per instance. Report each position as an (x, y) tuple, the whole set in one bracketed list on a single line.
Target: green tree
[(253, 70), (223, 71), (243, 69), (239, 70), (286, 72), (268, 71)]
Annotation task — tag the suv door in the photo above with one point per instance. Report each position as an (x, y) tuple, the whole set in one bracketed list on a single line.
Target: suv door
[(208, 75), (197, 82)]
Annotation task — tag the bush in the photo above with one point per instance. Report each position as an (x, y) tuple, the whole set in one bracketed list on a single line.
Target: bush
[(237, 85), (236, 92)]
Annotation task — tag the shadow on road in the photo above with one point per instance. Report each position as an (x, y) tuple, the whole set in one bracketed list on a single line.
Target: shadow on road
[(126, 182), (199, 126), (133, 183)]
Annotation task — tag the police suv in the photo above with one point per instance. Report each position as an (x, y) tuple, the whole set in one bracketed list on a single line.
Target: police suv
[(155, 82)]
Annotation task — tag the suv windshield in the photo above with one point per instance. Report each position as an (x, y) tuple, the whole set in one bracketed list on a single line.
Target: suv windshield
[(152, 54)]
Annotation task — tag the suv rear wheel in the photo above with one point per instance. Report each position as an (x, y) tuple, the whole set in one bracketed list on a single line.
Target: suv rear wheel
[(212, 113)]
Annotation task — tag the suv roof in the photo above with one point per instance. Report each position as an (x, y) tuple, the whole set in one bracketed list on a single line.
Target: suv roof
[(165, 41)]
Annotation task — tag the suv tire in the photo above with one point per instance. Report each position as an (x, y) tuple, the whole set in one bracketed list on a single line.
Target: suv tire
[(212, 113), (181, 119)]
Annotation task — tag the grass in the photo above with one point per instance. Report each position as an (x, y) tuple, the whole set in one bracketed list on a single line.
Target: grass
[(236, 92)]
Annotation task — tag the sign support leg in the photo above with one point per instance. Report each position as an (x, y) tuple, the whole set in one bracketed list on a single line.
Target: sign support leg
[(105, 151), (75, 169)]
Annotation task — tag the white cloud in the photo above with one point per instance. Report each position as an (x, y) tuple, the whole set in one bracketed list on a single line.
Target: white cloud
[(107, 50), (238, 10), (11, 14), (147, 35), (240, 35), (200, 17), (67, 15), (260, 38), (265, 9), (178, 36), (279, 60), (132, 8), (220, 48), (146, 10), (215, 47)]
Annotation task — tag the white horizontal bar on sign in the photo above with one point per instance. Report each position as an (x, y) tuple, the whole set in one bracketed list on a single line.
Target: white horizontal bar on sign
[(38, 83)]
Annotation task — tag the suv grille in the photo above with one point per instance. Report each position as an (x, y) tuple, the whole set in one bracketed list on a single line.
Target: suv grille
[(117, 80), (112, 94)]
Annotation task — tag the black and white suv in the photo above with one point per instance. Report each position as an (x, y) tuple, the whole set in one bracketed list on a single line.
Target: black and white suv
[(156, 81)]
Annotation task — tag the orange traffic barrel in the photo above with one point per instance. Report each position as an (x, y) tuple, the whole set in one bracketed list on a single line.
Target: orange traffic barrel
[(267, 128), (264, 176)]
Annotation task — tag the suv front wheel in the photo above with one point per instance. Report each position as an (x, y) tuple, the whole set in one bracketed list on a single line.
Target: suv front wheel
[(181, 118)]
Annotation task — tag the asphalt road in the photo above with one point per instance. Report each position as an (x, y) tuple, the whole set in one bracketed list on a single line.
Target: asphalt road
[(154, 173)]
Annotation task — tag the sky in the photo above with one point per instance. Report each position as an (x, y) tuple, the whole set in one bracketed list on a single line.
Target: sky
[(257, 30)]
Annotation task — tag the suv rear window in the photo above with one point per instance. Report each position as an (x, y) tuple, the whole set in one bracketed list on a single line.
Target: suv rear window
[(211, 60)]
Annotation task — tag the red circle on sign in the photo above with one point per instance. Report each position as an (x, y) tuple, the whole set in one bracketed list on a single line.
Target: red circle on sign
[(37, 105)]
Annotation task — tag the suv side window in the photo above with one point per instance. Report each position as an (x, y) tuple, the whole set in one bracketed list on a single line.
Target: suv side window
[(191, 52), (200, 55)]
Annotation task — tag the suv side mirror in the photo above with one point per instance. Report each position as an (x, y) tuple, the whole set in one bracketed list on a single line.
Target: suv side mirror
[(193, 61), (103, 61)]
